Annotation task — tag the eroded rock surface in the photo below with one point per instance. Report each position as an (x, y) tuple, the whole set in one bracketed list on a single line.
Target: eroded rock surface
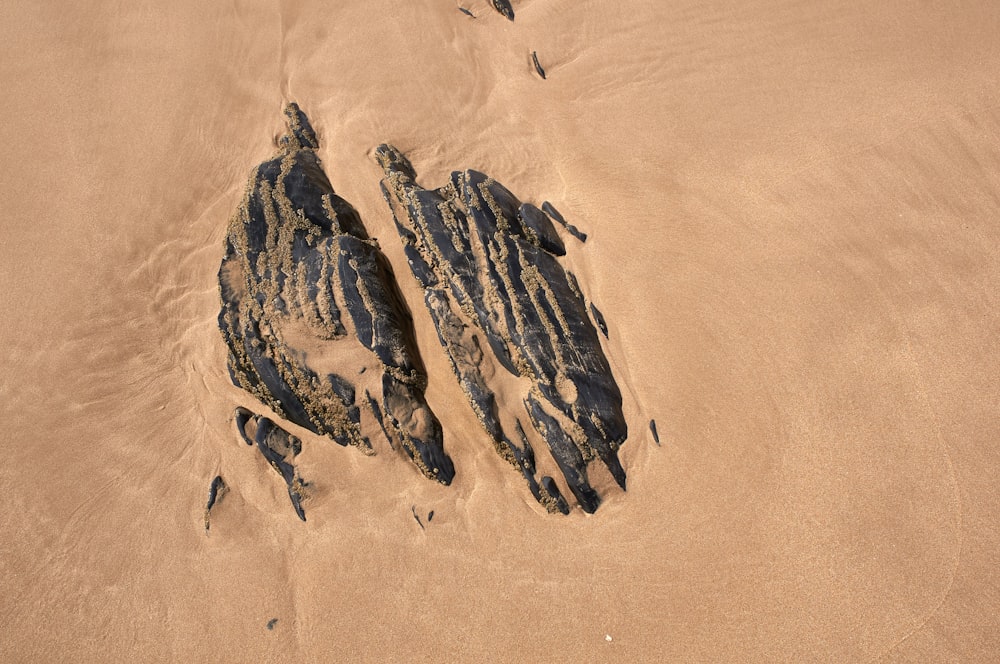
[(279, 448), (498, 295), (311, 313)]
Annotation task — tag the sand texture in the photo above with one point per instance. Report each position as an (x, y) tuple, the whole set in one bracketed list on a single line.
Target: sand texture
[(766, 233)]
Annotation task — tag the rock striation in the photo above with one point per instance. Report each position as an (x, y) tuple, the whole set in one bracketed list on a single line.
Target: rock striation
[(495, 289), (311, 312)]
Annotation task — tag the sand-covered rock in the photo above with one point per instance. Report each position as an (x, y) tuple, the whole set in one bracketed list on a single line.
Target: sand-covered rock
[(489, 270), (311, 311)]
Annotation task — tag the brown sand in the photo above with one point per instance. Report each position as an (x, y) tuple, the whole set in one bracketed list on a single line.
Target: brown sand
[(793, 213)]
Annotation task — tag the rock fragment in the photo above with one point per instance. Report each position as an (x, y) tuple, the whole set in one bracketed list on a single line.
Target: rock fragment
[(503, 6), (538, 66), (550, 210), (216, 490), (599, 319)]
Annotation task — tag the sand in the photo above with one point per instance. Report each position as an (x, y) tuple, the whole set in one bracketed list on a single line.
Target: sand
[(792, 211)]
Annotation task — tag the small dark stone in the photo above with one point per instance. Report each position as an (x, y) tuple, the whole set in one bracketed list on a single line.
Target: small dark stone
[(577, 233), (430, 516), (538, 66), (466, 12), (503, 6), (599, 319), (413, 508), (216, 491), (652, 429), (271, 623)]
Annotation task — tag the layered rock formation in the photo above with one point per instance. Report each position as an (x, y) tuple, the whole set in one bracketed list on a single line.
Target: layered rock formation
[(494, 287), (311, 313)]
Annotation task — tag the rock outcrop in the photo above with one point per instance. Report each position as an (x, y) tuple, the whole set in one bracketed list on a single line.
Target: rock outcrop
[(311, 313), (493, 286)]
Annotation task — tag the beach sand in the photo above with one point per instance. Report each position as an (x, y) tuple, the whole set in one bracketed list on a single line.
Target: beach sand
[(793, 220)]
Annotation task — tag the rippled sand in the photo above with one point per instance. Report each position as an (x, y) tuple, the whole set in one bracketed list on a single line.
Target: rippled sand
[(792, 210)]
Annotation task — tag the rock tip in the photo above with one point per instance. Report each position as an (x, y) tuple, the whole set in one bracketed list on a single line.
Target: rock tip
[(391, 159), (300, 135)]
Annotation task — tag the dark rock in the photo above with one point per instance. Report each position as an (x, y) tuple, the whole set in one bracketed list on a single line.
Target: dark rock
[(503, 6), (243, 416), (271, 623), (279, 449), (466, 12), (539, 230), (578, 234), (548, 209), (216, 490), (652, 429), (538, 66), (307, 296), (599, 319), (488, 265)]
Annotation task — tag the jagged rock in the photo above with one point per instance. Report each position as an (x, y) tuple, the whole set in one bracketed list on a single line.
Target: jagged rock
[(503, 6), (652, 430), (538, 66), (488, 267), (216, 490), (279, 449), (307, 297)]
